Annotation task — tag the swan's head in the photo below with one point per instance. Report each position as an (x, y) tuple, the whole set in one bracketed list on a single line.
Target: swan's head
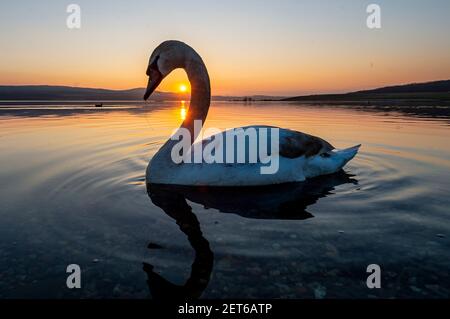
[(329, 161), (168, 56)]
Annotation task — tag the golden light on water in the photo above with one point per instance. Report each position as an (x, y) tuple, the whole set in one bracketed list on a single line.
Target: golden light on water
[(183, 111)]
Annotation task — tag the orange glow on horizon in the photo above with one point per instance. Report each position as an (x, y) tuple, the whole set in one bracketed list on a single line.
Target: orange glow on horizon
[(320, 74)]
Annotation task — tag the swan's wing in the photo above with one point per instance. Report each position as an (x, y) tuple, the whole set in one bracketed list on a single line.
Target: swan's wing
[(295, 144), (292, 144)]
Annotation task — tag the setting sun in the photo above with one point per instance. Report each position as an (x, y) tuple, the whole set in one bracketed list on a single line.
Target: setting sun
[(183, 88)]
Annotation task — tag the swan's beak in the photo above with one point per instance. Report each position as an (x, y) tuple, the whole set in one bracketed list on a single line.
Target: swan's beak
[(154, 80)]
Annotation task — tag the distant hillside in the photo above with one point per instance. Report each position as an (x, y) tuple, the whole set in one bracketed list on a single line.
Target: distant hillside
[(68, 93), (426, 87), (429, 91), (437, 90), (49, 93)]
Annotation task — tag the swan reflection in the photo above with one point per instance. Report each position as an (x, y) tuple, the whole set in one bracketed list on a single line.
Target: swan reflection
[(287, 201)]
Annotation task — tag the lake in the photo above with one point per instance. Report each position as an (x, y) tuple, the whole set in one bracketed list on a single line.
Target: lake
[(73, 191)]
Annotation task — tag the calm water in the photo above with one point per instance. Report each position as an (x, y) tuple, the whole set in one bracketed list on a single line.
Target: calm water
[(73, 191)]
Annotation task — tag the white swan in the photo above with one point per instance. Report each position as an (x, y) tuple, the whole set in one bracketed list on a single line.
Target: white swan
[(301, 155)]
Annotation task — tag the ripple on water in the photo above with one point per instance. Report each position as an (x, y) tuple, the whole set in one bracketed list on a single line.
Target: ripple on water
[(76, 192)]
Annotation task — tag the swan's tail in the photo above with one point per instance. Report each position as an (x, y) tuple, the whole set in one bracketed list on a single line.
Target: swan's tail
[(348, 153)]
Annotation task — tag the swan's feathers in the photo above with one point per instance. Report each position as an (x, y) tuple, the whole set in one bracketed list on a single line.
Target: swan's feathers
[(292, 144), (295, 144)]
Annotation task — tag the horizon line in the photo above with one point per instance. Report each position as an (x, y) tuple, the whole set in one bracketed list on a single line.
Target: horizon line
[(218, 95)]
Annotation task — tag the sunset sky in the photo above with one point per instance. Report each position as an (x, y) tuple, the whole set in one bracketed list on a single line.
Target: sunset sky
[(250, 47)]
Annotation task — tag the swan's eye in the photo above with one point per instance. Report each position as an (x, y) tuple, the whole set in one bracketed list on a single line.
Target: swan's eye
[(325, 155), (153, 66), (154, 63)]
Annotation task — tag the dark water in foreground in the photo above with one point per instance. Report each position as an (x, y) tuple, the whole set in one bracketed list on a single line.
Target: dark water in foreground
[(73, 191)]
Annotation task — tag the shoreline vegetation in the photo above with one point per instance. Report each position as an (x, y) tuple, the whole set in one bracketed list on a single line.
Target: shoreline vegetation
[(427, 93)]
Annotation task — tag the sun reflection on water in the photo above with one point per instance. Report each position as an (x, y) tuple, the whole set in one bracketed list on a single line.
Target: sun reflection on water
[(183, 110)]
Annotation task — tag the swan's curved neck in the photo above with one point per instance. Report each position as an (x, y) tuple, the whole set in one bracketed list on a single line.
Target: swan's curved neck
[(199, 104), (200, 95)]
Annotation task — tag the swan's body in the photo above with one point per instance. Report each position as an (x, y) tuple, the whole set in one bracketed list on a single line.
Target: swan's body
[(300, 155)]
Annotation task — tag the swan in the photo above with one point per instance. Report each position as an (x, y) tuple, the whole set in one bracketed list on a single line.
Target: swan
[(299, 155)]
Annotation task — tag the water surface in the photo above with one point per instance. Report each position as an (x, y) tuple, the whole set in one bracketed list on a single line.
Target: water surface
[(73, 191)]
